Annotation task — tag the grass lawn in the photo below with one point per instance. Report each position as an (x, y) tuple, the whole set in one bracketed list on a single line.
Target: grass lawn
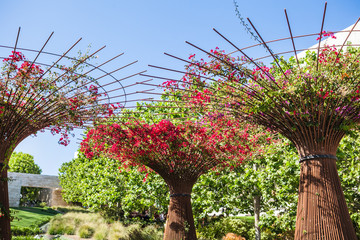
[(27, 216)]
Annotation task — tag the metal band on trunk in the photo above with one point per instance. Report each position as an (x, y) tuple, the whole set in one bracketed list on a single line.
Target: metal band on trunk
[(316, 156), (180, 195)]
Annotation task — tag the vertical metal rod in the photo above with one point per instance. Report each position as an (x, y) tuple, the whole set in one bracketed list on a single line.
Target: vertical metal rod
[(266, 73), (12, 61), (321, 32), (62, 56), (342, 46), (94, 80), (78, 63), (40, 51), (267, 47), (292, 38), (37, 80), (16, 42)]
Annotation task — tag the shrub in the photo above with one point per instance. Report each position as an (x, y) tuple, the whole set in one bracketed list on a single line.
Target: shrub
[(41, 222), (69, 230), (100, 235), (25, 231), (135, 232), (356, 222), (281, 227), (43, 205), (219, 228), (24, 238), (59, 225), (85, 231), (91, 225), (101, 232), (152, 232), (117, 232)]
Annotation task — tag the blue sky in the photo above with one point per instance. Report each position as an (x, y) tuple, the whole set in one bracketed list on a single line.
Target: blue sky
[(144, 29)]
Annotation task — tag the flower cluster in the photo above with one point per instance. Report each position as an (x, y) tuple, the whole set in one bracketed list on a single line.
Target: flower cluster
[(319, 93), (327, 34), (172, 149), (59, 99)]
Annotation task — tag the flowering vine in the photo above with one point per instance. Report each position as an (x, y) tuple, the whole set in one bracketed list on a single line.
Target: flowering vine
[(287, 101), (168, 148), (33, 99), (24, 89), (313, 102), (179, 153)]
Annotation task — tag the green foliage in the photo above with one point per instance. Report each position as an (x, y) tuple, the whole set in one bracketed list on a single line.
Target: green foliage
[(276, 178), (101, 233), (170, 108), (278, 226), (348, 165), (59, 225), (25, 231), (152, 232), (356, 222), (135, 232), (219, 228), (99, 185), (85, 231), (117, 231), (95, 184), (24, 238), (283, 225), (23, 163), (43, 205), (273, 177), (66, 209)]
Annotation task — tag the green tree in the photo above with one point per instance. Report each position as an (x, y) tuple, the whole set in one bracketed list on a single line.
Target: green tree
[(348, 166), (100, 185), (275, 180), (23, 163), (253, 187), (349, 170)]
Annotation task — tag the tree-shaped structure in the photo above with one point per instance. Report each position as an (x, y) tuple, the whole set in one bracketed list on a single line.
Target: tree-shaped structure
[(57, 97), (313, 101), (313, 105), (178, 153)]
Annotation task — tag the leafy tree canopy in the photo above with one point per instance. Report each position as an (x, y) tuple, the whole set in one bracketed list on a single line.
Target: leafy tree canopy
[(23, 163)]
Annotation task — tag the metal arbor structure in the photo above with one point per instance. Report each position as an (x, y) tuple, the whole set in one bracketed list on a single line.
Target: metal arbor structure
[(314, 104), (180, 153), (36, 96)]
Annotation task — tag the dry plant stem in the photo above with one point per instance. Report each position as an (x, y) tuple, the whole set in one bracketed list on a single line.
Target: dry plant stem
[(180, 221), (322, 212)]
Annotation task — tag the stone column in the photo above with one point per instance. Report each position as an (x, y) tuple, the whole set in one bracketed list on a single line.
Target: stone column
[(14, 192)]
